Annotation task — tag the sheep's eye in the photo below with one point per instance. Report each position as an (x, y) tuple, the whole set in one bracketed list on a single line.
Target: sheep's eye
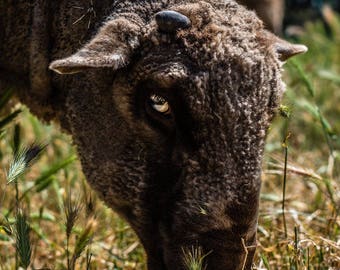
[(160, 104)]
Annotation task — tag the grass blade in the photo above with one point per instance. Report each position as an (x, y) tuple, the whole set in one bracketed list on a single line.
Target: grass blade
[(8, 119), (329, 75), (307, 82), (54, 169), (16, 139), (6, 97)]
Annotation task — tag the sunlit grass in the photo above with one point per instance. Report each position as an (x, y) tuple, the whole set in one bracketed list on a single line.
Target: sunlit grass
[(310, 174), (194, 258)]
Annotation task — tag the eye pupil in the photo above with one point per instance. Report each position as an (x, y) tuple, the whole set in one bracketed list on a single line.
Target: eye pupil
[(157, 100), (159, 104)]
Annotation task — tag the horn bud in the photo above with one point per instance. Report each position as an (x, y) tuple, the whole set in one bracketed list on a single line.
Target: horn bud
[(169, 21), (286, 50)]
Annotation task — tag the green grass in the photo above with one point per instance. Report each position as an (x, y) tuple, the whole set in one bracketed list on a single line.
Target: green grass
[(50, 218), (301, 176)]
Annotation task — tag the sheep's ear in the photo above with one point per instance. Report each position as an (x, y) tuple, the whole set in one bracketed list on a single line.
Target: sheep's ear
[(112, 47), (286, 50)]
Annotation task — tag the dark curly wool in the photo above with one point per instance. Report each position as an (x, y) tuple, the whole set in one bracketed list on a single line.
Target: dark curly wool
[(190, 177)]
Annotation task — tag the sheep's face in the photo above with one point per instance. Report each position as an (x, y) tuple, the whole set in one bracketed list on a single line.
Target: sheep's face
[(179, 153)]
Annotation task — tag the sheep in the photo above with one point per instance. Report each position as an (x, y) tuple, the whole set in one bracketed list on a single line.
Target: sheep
[(168, 103)]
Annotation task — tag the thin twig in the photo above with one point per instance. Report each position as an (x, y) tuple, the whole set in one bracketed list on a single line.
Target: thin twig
[(285, 146), (246, 251)]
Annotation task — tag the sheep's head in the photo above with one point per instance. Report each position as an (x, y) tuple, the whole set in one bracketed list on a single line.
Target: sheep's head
[(179, 148)]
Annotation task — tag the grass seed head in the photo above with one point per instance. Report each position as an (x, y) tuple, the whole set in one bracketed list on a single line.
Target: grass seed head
[(23, 242), (194, 258), (71, 211), (83, 241), (22, 160)]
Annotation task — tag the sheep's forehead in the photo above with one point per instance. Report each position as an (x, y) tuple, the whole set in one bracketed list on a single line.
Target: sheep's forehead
[(218, 33), (222, 45), (229, 31), (161, 68)]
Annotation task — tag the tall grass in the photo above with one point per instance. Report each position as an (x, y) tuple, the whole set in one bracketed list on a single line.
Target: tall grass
[(307, 237)]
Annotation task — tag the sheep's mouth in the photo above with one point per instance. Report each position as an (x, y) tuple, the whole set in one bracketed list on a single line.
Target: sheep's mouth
[(216, 246)]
